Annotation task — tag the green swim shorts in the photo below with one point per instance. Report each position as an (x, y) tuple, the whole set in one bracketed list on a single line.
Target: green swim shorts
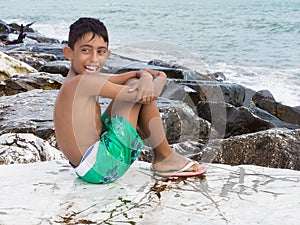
[(110, 157)]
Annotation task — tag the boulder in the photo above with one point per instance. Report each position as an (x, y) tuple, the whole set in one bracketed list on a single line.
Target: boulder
[(181, 123), (229, 120), (10, 66), (21, 83), (36, 60), (29, 112), (57, 67), (277, 148), (285, 113), (26, 148), (55, 49), (208, 91)]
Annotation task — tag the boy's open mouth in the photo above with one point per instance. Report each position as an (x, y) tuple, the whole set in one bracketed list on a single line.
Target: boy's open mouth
[(91, 68)]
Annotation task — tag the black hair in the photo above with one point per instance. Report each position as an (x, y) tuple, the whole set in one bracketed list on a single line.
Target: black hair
[(85, 25)]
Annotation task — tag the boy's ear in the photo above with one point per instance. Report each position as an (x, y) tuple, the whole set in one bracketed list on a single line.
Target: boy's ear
[(68, 53)]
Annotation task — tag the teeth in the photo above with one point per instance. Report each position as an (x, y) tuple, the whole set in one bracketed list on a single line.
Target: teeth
[(91, 68)]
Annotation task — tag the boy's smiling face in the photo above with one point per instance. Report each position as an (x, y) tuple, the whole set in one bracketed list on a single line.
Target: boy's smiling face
[(89, 54)]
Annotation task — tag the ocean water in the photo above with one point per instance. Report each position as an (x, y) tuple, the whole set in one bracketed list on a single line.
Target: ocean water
[(253, 42)]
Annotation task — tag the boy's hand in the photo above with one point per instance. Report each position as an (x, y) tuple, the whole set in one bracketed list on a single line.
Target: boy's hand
[(159, 81), (144, 87)]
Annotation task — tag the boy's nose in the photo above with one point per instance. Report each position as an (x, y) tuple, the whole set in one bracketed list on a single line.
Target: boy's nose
[(94, 56)]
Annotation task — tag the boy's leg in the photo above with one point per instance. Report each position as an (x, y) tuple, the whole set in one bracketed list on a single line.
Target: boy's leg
[(164, 158), (147, 117)]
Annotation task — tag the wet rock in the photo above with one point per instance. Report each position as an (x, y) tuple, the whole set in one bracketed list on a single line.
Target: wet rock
[(22, 83), (10, 66), (277, 148), (26, 148), (229, 120)]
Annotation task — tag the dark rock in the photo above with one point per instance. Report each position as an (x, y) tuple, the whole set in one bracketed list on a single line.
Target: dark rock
[(277, 148), (272, 119), (21, 83), (56, 67), (229, 120), (285, 113), (181, 123), (187, 73), (171, 73), (210, 91), (29, 112)]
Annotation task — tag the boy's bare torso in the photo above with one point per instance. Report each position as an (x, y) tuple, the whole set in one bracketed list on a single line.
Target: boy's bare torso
[(77, 120)]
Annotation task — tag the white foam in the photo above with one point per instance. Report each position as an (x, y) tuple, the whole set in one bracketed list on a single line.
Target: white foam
[(58, 31), (282, 83)]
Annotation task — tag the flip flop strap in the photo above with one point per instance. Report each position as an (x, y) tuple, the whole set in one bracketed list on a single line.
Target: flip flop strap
[(187, 166)]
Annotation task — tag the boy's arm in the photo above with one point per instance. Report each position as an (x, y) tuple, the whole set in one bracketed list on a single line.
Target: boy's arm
[(147, 90), (100, 85), (123, 77)]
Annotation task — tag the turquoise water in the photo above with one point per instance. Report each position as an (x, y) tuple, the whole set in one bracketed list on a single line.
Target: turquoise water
[(254, 42)]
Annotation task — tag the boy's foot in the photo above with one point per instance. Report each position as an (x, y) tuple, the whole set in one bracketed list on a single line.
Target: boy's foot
[(177, 165)]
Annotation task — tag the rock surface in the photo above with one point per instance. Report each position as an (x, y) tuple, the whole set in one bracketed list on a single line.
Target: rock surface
[(50, 193), (277, 148), (10, 66), (26, 148)]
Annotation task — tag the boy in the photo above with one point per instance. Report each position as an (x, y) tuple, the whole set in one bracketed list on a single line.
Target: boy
[(101, 147)]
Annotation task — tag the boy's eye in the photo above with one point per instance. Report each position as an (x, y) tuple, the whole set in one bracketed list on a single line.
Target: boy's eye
[(102, 51), (85, 50)]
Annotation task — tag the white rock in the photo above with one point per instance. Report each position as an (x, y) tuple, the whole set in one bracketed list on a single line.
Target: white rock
[(10, 66), (26, 148), (50, 193)]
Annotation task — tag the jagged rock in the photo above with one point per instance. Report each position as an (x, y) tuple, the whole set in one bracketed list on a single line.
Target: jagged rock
[(29, 112), (277, 148), (55, 49), (170, 72), (10, 66), (21, 83), (26, 148), (181, 123), (36, 60), (283, 112), (187, 73), (272, 119), (56, 67), (229, 120), (208, 91), (50, 193)]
